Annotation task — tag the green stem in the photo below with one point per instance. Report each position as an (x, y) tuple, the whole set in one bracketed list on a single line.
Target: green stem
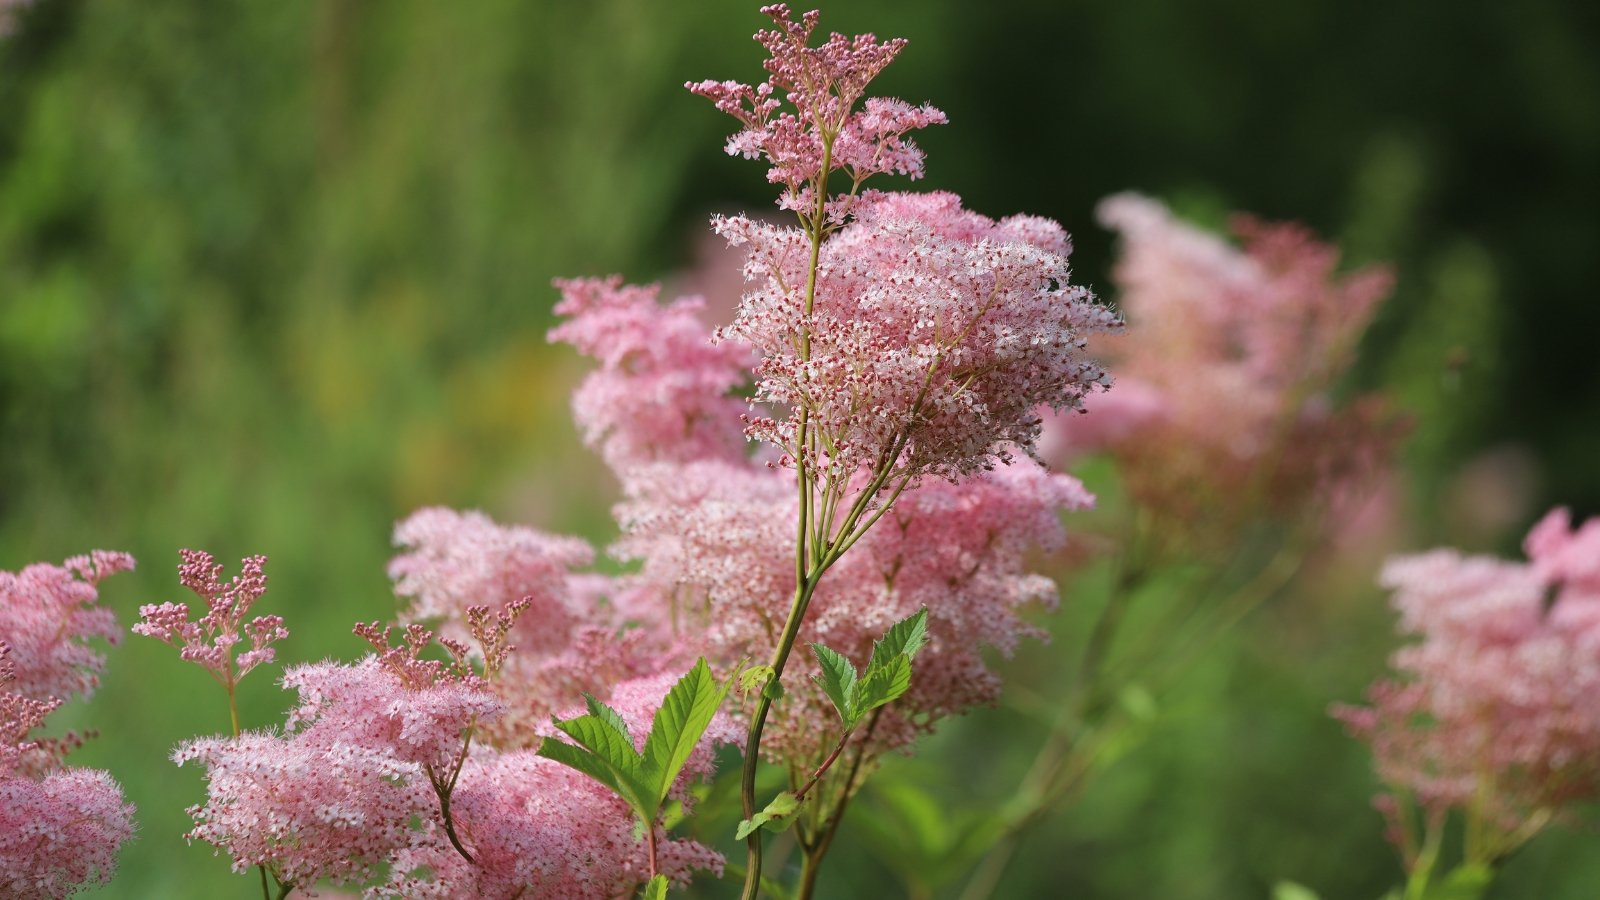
[(826, 764), (758, 721), (650, 840), (815, 852), (233, 712), (805, 572), (1427, 858)]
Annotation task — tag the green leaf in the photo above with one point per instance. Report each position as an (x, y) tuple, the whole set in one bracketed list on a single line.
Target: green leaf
[(610, 758), (1288, 890), (838, 680), (608, 716), (883, 683), (598, 735), (679, 724), (776, 817), (656, 889), (625, 785), (904, 638)]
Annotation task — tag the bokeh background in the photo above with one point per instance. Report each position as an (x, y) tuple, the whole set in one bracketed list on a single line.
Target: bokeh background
[(274, 274)]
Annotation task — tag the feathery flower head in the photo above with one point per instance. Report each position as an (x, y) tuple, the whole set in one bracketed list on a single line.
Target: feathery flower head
[(457, 560), (60, 828), (60, 832), (305, 806), (48, 615), (662, 389), (933, 337)]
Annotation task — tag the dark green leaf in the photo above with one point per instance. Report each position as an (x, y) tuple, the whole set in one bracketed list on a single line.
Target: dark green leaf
[(597, 734), (904, 638), (610, 752), (609, 716), (838, 680)]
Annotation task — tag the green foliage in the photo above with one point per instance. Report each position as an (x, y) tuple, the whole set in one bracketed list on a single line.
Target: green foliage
[(888, 675), (1470, 881), (1288, 890), (605, 750), (777, 816), (755, 678), (656, 889)]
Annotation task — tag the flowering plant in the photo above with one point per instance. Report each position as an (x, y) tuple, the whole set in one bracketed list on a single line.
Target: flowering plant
[(841, 512)]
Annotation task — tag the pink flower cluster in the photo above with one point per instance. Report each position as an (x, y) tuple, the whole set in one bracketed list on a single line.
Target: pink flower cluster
[(896, 332), (50, 618), (1495, 710), (461, 570), (1222, 401), (60, 827), (209, 641), (934, 336), (662, 390), (538, 827), (378, 770), (925, 345), (715, 539)]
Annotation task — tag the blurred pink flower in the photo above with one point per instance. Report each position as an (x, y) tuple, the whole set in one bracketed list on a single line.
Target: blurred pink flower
[(1495, 710), (1223, 407)]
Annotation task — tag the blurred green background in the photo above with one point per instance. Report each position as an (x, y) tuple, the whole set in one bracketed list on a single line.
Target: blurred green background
[(274, 274)]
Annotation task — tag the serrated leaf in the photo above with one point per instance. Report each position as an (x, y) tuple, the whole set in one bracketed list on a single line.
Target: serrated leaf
[(656, 889), (838, 680), (679, 724), (883, 683), (610, 758), (608, 716), (904, 638), (776, 817), (1288, 890), (590, 764), (597, 734)]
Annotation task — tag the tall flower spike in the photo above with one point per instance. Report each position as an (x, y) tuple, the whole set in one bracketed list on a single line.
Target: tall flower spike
[(822, 132)]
